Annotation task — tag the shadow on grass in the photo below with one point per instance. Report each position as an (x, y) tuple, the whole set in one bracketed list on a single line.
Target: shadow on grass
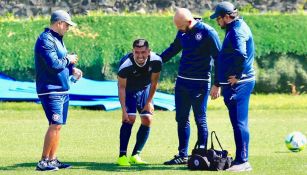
[(20, 165), (95, 166)]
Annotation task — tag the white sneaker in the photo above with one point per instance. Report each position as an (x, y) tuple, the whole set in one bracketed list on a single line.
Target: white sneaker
[(240, 167), (43, 165)]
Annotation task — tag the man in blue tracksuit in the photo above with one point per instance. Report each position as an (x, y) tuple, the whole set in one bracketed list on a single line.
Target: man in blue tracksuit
[(53, 66), (236, 76), (200, 45)]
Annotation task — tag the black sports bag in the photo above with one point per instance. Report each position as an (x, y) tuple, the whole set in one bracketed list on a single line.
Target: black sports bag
[(211, 159)]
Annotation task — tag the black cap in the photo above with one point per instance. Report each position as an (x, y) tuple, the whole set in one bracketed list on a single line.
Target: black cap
[(140, 43), (223, 8)]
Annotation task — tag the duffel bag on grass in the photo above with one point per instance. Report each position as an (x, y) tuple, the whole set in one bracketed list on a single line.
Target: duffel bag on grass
[(211, 159)]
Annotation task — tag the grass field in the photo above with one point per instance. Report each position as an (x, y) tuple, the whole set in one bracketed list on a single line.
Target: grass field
[(90, 139)]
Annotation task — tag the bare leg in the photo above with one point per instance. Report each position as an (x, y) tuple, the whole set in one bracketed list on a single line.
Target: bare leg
[(52, 154), (146, 120), (51, 141)]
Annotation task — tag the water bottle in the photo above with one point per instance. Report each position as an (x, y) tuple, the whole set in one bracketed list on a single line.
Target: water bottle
[(75, 77)]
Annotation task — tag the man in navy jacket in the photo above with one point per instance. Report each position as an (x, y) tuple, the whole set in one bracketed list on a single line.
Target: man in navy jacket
[(200, 45), (53, 67), (236, 76)]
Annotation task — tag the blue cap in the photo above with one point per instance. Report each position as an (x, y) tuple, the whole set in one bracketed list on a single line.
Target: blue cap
[(223, 8), (61, 15)]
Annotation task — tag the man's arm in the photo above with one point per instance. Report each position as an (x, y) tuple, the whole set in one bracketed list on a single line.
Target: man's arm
[(153, 87), (48, 52), (172, 50), (122, 97), (238, 42), (215, 47)]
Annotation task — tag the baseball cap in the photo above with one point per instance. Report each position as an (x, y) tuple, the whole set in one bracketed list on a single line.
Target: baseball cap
[(140, 43), (223, 8), (61, 15)]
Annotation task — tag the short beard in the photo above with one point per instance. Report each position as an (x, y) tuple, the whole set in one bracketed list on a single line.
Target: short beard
[(185, 30)]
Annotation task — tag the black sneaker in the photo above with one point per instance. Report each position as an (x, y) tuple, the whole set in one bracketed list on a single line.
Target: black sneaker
[(58, 164), (43, 165), (177, 160)]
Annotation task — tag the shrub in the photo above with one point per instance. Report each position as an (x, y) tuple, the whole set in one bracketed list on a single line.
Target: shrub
[(100, 41)]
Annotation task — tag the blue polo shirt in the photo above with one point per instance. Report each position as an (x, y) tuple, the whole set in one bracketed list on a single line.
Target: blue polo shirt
[(51, 64)]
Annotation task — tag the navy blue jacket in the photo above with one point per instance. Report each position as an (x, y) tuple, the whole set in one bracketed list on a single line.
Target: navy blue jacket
[(199, 46), (51, 64), (237, 54), (138, 77)]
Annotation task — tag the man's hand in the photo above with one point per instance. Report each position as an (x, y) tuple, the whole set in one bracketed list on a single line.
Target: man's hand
[(77, 73), (73, 58), (232, 80), (215, 92), (125, 117), (149, 108)]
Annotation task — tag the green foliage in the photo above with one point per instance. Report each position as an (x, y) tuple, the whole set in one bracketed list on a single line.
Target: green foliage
[(248, 8), (283, 34), (281, 73), (101, 40)]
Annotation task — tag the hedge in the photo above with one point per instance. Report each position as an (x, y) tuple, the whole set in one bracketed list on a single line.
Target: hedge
[(100, 41)]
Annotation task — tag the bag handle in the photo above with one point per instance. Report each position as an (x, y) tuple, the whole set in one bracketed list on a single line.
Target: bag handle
[(213, 132), (212, 146), (196, 145)]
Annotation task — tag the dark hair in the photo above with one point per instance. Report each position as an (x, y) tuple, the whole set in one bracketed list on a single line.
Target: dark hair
[(53, 22), (140, 43)]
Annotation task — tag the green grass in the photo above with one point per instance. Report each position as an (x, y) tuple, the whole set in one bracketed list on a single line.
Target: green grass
[(90, 139)]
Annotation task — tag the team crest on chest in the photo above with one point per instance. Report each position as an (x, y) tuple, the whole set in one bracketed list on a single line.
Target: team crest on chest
[(149, 68), (198, 36)]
